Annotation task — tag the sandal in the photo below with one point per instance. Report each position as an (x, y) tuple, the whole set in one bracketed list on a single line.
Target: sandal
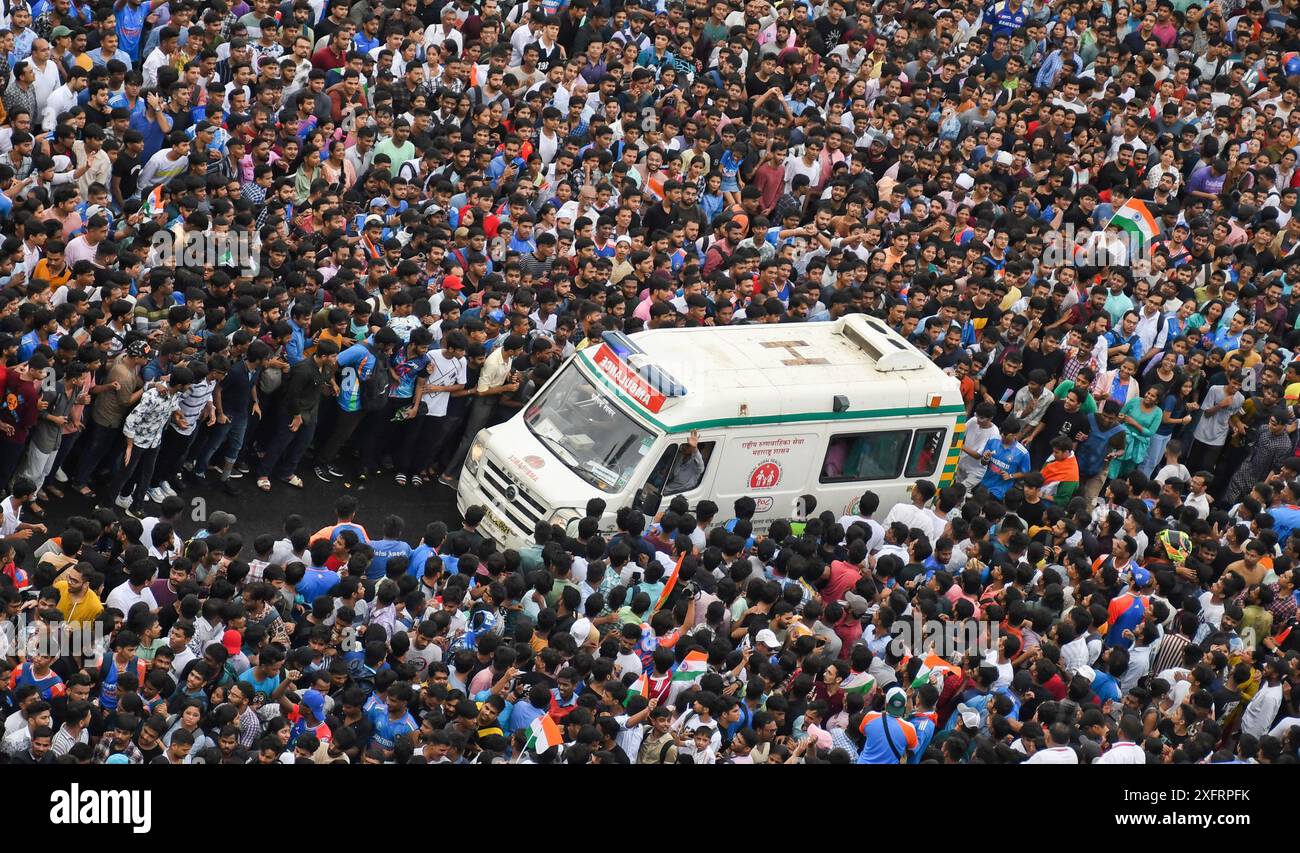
[(36, 510), (417, 481), (54, 492), (293, 480), (400, 479), (85, 491), (264, 483)]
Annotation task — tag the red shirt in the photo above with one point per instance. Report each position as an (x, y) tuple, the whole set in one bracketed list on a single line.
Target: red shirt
[(328, 60)]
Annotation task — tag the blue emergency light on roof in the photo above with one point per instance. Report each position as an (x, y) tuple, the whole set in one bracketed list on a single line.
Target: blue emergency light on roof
[(631, 354)]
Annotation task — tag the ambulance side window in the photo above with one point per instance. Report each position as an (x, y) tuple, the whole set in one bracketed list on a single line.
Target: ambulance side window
[(865, 456), (924, 458), (674, 473)]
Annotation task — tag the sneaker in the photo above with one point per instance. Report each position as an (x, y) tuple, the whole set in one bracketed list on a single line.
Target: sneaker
[(235, 473), (167, 490), (242, 468), (334, 472), (60, 476), (400, 479), (155, 495), (417, 481), (135, 511), (323, 473), (122, 501), (448, 482), (229, 488)]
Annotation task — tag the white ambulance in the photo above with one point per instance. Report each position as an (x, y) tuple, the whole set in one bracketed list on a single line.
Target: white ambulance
[(776, 411)]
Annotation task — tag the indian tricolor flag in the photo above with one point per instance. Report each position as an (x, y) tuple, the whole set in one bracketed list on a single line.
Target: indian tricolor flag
[(694, 665), (670, 583), (932, 664), (153, 203), (640, 687), (545, 734), (858, 682), (1136, 219)]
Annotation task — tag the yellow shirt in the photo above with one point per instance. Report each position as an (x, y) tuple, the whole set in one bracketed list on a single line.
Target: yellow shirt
[(83, 611)]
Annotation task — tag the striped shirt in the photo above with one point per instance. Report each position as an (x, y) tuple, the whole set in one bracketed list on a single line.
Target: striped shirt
[(193, 401), (63, 741)]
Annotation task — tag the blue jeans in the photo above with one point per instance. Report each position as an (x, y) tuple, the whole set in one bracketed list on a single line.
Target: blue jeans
[(1155, 454), (229, 436)]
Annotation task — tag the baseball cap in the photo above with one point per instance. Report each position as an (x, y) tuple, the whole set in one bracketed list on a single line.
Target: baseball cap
[(964, 181), (858, 605), (372, 219), (60, 32), (315, 702), (379, 201), (582, 630), (139, 349), (896, 702), (452, 282), (1141, 577), (767, 637), (232, 641), (221, 519)]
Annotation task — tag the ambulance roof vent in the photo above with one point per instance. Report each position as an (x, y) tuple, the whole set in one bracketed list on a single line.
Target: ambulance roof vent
[(889, 351)]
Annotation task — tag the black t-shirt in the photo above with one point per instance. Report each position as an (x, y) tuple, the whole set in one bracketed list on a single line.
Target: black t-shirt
[(1051, 364), (1002, 387), (1113, 176), (94, 116), (982, 317), (181, 119), (831, 33), (1034, 513), (657, 219), (127, 171), (1057, 421)]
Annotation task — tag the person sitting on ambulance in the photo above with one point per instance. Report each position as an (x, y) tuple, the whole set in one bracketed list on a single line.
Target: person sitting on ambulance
[(688, 469)]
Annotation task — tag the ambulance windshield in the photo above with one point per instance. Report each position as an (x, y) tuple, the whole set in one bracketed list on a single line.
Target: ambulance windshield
[(587, 431)]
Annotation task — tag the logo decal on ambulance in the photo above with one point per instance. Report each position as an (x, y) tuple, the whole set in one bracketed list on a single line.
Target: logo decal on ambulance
[(534, 462), (762, 504), (765, 476)]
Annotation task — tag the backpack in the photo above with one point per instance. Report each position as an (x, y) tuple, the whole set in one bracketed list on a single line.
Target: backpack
[(374, 390)]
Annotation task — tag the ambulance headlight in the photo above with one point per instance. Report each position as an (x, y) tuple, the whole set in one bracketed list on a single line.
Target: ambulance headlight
[(476, 451)]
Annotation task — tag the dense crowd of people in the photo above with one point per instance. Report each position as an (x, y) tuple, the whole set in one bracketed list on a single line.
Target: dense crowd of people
[(266, 246)]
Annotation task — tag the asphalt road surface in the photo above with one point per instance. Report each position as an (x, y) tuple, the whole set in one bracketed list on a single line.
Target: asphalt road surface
[(264, 512)]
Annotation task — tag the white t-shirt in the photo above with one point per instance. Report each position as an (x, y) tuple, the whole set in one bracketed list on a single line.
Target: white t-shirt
[(124, 598), (969, 467), (146, 536), (795, 166), (1180, 471), (877, 537), (1054, 755), (442, 371), (1123, 753), (11, 518)]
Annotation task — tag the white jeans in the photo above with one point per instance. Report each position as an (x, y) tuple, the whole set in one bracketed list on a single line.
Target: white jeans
[(37, 464)]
